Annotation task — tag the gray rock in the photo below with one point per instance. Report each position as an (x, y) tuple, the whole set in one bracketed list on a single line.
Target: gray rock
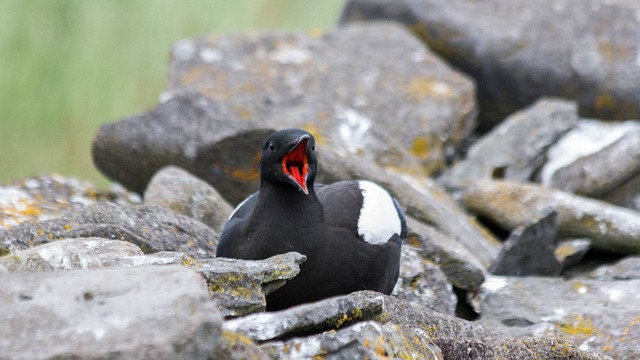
[(596, 315), (570, 251), (511, 204), (68, 254), (423, 282), (516, 148), (188, 131), (459, 264), (137, 313), (521, 50), (605, 168), (461, 339), (234, 346), (178, 190), (626, 269), (327, 314), (320, 83), (239, 287), (365, 340), (529, 250), (153, 229), (51, 196)]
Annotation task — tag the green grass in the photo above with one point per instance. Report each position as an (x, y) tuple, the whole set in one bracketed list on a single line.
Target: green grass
[(68, 66)]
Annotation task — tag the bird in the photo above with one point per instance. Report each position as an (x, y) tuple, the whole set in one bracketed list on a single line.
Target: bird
[(351, 231)]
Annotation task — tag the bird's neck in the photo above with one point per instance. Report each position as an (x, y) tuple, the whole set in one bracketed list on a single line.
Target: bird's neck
[(291, 205)]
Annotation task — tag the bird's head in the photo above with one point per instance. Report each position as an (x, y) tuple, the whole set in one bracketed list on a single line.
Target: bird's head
[(288, 157)]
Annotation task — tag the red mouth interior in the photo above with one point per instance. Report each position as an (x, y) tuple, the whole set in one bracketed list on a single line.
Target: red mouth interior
[(295, 164)]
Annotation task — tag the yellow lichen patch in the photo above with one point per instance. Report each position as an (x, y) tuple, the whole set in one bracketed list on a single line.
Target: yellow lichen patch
[(379, 345), (315, 131), (579, 326), (190, 262), (244, 174), (195, 73), (357, 314), (243, 112), (613, 52), (232, 338), (422, 88), (68, 227), (604, 102), (422, 146)]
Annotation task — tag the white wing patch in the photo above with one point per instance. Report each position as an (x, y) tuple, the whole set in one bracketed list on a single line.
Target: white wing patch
[(379, 219)]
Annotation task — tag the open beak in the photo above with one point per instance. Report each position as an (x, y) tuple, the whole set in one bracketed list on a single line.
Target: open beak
[(295, 164)]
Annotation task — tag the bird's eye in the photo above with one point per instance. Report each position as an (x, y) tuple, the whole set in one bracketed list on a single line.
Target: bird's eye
[(272, 147)]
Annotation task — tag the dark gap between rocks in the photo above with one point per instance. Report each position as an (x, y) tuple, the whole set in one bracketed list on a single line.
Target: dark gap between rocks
[(463, 309), (497, 230), (592, 260)]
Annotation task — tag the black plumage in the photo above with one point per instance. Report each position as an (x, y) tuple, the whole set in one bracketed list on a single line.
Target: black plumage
[(323, 222)]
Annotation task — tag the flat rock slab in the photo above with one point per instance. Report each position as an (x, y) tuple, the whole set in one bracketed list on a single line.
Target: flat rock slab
[(521, 50), (136, 313), (461, 339), (510, 204), (602, 316), (516, 148), (320, 82), (68, 254), (303, 319), (153, 229), (365, 340), (239, 287)]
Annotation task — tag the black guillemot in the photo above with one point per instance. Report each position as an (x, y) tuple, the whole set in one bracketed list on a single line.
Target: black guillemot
[(351, 231)]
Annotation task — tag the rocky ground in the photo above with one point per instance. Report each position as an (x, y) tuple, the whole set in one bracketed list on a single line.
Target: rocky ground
[(492, 124)]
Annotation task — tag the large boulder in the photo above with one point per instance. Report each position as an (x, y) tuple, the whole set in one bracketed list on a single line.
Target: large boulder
[(136, 313), (521, 50), (320, 82)]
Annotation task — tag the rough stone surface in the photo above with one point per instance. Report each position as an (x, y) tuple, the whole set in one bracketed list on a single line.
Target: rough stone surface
[(320, 83), (239, 287), (602, 316), (187, 131), (529, 250), (521, 50), (68, 254), (137, 313), (459, 264), (516, 148), (51, 196), (239, 347), (461, 339), (153, 229), (421, 281), (602, 171), (178, 190), (365, 340), (303, 319), (570, 251), (511, 204), (626, 269)]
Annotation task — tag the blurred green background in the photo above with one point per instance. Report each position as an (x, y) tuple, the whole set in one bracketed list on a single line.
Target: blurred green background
[(68, 66)]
